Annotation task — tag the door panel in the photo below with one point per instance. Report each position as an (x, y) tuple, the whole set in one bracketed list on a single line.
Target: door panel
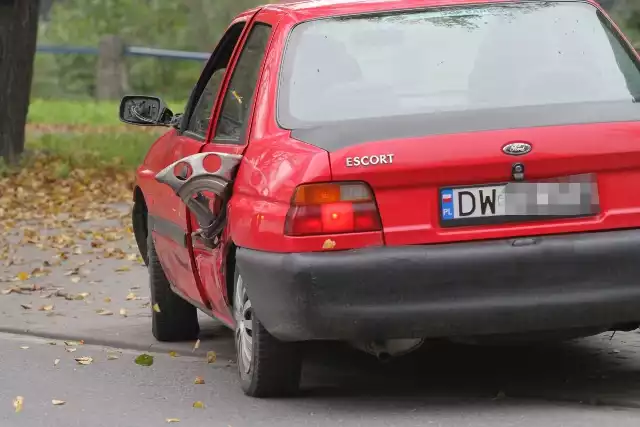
[(170, 224), (229, 133)]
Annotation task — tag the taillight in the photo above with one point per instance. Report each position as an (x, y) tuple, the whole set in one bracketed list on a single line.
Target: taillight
[(331, 209)]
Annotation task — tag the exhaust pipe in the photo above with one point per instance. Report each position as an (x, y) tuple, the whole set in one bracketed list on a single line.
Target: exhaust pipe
[(385, 350)]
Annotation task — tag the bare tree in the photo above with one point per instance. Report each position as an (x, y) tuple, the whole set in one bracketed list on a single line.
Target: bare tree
[(18, 33)]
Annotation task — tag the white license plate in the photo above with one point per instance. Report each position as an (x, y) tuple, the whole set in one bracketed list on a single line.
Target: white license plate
[(473, 202), (573, 196)]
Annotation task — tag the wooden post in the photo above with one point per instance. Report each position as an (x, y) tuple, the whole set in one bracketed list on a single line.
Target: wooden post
[(112, 78), (18, 32)]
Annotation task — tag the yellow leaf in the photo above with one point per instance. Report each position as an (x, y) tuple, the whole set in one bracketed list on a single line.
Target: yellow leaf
[(46, 308), (55, 362), (173, 354), (198, 405), (58, 402), (131, 296), (173, 420), (199, 380), (156, 308), (73, 343), (107, 299), (23, 275), (211, 356), (196, 345), (123, 268), (18, 402), (103, 312), (123, 312), (84, 360)]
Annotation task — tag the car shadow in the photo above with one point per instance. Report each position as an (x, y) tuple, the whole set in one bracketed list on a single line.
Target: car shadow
[(594, 370)]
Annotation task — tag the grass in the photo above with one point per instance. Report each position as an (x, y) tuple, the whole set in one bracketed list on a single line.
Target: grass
[(68, 112), (85, 134), (124, 150)]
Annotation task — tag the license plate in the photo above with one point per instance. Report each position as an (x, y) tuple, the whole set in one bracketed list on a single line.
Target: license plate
[(517, 201)]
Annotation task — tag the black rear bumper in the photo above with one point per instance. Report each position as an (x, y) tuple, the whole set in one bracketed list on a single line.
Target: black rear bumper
[(462, 289)]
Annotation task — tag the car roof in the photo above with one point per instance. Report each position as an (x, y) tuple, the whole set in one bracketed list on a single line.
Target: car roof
[(310, 9)]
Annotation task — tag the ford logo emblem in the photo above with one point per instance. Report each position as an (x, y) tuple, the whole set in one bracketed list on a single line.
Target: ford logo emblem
[(517, 148)]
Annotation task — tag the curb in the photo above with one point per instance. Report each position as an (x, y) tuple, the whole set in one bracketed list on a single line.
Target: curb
[(185, 348)]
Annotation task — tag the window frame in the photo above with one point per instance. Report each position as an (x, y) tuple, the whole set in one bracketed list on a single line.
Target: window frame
[(207, 74), (227, 81)]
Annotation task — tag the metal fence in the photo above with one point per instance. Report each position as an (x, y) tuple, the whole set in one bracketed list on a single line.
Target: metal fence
[(128, 51)]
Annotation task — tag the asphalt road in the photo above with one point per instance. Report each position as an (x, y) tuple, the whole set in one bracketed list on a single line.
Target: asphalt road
[(592, 382), (439, 387)]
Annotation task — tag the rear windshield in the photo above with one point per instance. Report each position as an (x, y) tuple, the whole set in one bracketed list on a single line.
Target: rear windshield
[(454, 59)]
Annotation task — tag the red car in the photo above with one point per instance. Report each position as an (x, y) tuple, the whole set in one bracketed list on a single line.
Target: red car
[(383, 172)]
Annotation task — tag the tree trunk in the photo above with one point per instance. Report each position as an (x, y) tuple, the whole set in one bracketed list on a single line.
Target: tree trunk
[(18, 33)]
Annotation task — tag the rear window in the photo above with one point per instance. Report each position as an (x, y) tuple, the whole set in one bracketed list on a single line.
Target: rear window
[(454, 59)]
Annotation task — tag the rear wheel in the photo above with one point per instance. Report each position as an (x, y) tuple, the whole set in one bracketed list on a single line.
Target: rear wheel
[(267, 367), (177, 320)]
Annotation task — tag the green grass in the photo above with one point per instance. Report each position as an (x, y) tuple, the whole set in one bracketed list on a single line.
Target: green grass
[(122, 150), (67, 112)]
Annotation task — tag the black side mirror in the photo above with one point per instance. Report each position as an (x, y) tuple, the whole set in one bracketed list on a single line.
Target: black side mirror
[(145, 111)]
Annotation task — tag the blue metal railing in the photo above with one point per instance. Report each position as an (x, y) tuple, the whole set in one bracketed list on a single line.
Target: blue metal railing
[(129, 50)]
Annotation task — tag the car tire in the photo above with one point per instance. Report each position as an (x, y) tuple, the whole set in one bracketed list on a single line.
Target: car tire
[(177, 320), (274, 367)]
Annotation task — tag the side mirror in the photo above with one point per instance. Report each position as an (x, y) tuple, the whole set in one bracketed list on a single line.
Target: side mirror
[(145, 111)]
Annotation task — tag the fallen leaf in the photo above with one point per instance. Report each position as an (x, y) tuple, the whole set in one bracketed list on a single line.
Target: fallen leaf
[(107, 299), (23, 275), (173, 420), (52, 343), (73, 343), (156, 308), (24, 347), (72, 272), (131, 296), (198, 405), (123, 312), (211, 356), (84, 360), (75, 279), (18, 402), (199, 380), (46, 308), (122, 269), (58, 402), (70, 349), (144, 360), (103, 312), (173, 354), (26, 306), (111, 356), (196, 345), (55, 362)]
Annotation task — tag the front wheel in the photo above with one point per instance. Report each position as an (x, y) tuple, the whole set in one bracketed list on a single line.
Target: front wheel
[(267, 367)]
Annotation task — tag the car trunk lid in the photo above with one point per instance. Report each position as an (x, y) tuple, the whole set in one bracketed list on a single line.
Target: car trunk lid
[(407, 176)]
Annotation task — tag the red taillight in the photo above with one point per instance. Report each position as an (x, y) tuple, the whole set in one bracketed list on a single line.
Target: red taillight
[(332, 209)]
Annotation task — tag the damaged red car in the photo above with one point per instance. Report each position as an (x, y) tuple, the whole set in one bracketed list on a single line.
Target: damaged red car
[(382, 173)]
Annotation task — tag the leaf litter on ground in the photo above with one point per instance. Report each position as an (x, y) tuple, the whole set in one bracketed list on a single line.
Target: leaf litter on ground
[(144, 360)]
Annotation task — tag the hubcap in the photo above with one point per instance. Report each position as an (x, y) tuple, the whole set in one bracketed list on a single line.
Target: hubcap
[(244, 326)]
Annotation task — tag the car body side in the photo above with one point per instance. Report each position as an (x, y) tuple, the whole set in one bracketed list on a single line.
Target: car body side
[(275, 163)]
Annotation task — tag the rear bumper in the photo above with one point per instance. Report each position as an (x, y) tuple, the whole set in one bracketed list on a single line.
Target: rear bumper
[(462, 289)]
